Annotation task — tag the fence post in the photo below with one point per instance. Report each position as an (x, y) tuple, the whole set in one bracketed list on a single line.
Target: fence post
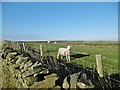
[(99, 65), (23, 46), (41, 54)]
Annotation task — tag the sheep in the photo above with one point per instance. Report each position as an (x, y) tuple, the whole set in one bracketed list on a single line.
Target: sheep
[(49, 42), (64, 52), (54, 42)]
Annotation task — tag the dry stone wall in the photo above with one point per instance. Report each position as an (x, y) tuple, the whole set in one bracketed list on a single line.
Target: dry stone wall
[(26, 69)]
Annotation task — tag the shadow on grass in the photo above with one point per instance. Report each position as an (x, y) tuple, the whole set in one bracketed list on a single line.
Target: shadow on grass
[(74, 56)]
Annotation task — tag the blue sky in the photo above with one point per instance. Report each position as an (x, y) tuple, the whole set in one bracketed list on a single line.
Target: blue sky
[(60, 21), (0, 21)]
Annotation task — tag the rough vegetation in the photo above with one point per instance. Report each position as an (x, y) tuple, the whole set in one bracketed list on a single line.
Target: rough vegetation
[(26, 69)]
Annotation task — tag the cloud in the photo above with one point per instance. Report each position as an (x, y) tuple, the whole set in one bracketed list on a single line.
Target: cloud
[(19, 37), (35, 37)]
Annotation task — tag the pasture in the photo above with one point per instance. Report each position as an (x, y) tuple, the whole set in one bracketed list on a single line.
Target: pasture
[(83, 53), (23, 65)]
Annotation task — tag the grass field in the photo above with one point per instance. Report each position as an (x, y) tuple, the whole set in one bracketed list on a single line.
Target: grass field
[(108, 50)]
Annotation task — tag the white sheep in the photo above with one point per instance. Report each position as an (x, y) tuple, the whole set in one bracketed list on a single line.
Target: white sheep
[(54, 42), (49, 42), (64, 52)]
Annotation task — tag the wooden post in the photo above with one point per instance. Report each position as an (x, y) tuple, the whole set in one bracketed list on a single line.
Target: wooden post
[(41, 54), (99, 65), (23, 46)]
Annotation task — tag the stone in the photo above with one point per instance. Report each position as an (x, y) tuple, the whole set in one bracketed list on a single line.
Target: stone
[(22, 65), (21, 59), (65, 84), (82, 85), (31, 72), (73, 80), (29, 63), (35, 65), (26, 66), (16, 66), (51, 75), (42, 72), (14, 59), (49, 82), (11, 54), (56, 88), (30, 80)]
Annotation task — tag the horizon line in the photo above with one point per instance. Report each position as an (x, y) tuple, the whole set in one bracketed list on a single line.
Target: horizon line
[(63, 40)]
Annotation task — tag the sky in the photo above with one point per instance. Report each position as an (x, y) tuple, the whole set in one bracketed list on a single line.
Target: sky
[(60, 0), (60, 21)]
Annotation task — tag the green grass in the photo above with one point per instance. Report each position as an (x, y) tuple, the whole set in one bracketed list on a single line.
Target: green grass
[(109, 52)]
